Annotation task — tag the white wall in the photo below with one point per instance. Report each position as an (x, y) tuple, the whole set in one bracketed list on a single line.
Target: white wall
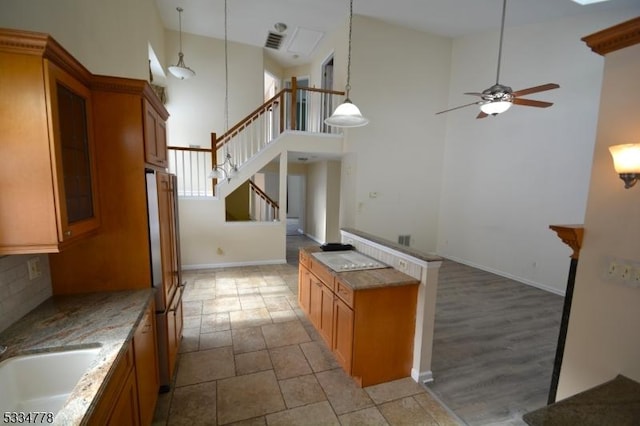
[(507, 178), (197, 105), (603, 338), (316, 208), (399, 78), (107, 37)]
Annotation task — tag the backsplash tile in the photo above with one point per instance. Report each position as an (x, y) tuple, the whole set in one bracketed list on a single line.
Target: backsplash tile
[(19, 294)]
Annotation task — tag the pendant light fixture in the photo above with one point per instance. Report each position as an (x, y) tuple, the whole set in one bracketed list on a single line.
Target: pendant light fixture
[(347, 114), (227, 168), (180, 70)]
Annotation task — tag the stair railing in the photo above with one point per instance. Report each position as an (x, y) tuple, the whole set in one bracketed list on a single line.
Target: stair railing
[(262, 208), (293, 108)]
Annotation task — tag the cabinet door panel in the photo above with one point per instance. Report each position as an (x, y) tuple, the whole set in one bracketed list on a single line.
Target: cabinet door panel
[(73, 149), (155, 137), (343, 334), (146, 362), (168, 242), (326, 316), (304, 289), (315, 301)]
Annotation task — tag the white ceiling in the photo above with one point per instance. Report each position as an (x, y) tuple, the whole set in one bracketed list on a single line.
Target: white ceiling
[(249, 21)]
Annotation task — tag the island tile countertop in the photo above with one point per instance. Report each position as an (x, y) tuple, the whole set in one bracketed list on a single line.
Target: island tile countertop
[(106, 320), (365, 279), (615, 403)]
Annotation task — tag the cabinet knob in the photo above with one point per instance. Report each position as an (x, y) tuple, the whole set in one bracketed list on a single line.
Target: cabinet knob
[(67, 233)]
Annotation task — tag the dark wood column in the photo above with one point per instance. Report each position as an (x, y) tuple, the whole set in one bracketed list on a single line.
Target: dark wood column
[(571, 235)]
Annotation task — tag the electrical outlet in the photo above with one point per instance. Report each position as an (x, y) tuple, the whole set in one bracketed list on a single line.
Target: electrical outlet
[(612, 271), (635, 276), (402, 264), (33, 265), (625, 272)]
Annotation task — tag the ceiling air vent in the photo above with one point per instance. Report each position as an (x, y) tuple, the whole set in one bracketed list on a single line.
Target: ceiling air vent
[(274, 40)]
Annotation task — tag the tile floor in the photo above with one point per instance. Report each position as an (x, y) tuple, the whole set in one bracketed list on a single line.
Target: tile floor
[(250, 357)]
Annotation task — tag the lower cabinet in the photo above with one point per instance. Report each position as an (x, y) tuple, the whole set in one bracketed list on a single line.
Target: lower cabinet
[(146, 365), (119, 402), (132, 392), (170, 324), (370, 331)]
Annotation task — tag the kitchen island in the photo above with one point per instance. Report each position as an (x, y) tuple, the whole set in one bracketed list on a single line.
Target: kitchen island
[(105, 320), (364, 310)]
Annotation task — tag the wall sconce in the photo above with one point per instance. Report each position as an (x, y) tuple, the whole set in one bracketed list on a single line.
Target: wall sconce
[(626, 160)]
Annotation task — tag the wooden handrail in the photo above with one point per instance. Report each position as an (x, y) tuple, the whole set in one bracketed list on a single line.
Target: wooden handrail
[(256, 113), (263, 195), (188, 148), (274, 100)]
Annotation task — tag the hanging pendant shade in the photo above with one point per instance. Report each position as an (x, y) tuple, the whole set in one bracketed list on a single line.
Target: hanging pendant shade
[(347, 114), (181, 70)]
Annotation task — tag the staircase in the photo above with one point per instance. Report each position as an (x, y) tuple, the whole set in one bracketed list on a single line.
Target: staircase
[(269, 132)]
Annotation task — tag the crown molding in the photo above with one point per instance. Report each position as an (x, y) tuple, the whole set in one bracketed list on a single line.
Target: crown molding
[(614, 38)]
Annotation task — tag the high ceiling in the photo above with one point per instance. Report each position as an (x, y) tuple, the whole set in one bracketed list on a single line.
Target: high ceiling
[(249, 21)]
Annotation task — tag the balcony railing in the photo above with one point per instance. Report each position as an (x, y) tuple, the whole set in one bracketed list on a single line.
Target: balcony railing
[(252, 134)]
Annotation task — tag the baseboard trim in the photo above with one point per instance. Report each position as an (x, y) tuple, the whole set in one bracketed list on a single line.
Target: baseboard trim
[(232, 264), (422, 377), (506, 275)]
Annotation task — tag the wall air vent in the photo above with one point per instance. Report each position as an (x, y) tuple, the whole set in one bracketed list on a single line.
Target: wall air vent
[(274, 40)]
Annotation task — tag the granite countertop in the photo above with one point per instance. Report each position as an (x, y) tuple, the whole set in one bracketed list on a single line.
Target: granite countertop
[(106, 320), (615, 403), (368, 278)]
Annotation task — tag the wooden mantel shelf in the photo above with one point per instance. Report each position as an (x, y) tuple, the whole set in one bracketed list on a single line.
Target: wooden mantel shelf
[(614, 38), (571, 235)]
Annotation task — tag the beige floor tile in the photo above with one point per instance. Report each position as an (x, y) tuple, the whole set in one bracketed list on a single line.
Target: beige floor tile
[(247, 339), (192, 308), (253, 301), (406, 411), (190, 340), (301, 390), (367, 417), (161, 414), (342, 391), (283, 316), (283, 334), (318, 356), (226, 292), (438, 411), (249, 318), (275, 290), (215, 322), (194, 405), (395, 389), (309, 415), (252, 362), (194, 294), (221, 304), (256, 421), (289, 361), (192, 321), (248, 396), (204, 366), (277, 303), (217, 339)]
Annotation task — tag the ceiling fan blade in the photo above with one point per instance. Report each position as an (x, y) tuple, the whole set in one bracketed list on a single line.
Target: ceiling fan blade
[(536, 89), (458, 107), (482, 114), (473, 93), (532, 103)]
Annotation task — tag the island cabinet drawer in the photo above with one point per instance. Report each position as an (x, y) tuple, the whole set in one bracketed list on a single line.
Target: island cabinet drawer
[(321, 271), (344, 292)]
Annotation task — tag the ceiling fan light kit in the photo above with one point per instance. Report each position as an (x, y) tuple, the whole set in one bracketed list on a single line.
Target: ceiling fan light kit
[(180, 70), (499, 98)]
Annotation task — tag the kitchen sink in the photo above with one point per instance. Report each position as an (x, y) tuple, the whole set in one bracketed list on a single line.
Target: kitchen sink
[(42, 382)]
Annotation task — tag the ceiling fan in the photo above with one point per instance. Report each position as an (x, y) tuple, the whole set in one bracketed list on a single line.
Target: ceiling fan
[(499, 98)]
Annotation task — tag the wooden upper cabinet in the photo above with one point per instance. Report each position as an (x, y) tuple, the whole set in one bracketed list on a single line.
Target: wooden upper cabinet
[(48, 186), (155, 136)]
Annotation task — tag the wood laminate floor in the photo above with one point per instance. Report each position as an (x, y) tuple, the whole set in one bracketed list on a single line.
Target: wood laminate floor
[(494, 345)]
